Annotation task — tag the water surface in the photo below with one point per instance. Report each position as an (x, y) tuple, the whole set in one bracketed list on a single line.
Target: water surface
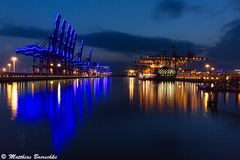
[(118, 118)]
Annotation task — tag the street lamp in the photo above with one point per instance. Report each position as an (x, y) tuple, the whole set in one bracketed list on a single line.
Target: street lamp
[(14, 59), (4, 69), (59, 65), (9, 67), (207, 66)]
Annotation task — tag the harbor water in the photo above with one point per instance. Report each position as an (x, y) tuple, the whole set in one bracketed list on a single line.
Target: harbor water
[(118, 118)]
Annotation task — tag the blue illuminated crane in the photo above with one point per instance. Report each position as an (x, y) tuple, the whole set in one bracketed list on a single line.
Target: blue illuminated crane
[(55, 55)]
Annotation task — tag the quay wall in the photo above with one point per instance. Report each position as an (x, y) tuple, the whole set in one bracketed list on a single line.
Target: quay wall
[(39, 78)]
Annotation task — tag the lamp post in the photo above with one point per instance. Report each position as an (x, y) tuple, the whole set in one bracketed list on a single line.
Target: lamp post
[(207, 66), (9, 67), (4, 69), (59, 65), (14, 59)]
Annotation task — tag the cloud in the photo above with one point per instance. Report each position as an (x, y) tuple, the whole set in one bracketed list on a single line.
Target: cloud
[(11, 30), (113, 41), (231, 25), (227, 51), (132, 44), (117, 49), (173, 9)]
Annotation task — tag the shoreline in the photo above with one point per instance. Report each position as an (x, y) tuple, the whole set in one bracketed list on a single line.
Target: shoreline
[(41, 78), (20, 78)]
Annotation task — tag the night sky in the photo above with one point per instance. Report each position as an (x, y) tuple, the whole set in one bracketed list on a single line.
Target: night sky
[(121, 30)]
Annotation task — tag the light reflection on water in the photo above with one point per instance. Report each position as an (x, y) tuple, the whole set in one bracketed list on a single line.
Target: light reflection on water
[(182, 97), (59, 94), (12, 98), (63, 103), (82, 117)]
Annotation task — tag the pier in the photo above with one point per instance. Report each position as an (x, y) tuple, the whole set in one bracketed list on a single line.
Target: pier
[(24, 77)]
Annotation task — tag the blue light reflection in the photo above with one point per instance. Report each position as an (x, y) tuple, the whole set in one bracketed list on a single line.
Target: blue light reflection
[(65, 105)]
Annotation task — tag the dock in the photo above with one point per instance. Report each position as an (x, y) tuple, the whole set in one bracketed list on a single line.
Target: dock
[(24, 77)]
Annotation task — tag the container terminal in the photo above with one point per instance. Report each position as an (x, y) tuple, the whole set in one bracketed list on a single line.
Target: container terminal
[(55, 58), (187, 68)]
